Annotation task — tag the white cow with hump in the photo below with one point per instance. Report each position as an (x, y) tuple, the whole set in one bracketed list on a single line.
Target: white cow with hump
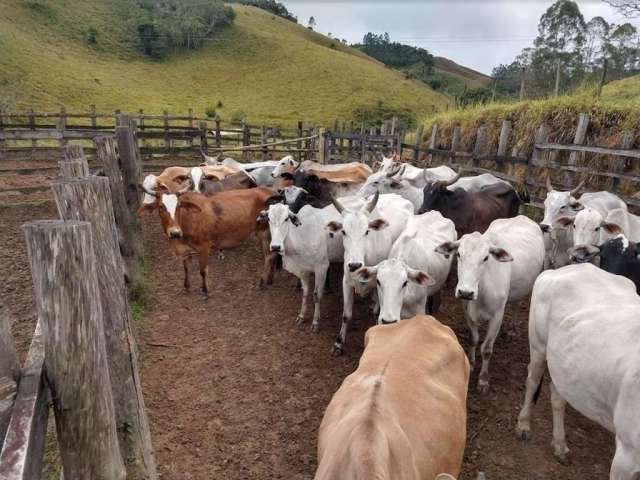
[(306, 248), (414, 270), (584, 326), (368, 233), (495, 268)]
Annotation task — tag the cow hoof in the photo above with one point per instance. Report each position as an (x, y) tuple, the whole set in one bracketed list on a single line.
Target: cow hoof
[(337, 350), (220, 255), (299, 321), (315, 328), (483, 387), (523, 434), (563, 458)]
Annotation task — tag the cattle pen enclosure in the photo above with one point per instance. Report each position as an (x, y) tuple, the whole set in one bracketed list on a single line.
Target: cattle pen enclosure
[(234, 390)]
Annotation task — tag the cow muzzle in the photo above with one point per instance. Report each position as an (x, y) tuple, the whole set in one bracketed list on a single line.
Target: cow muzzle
[(174, 233), (465, 294), (276, 248), (545, 228), (384, 321), (353, 266)]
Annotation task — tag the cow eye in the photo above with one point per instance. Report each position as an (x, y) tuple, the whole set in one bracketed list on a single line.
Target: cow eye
[(344, 233), (366, 233), (404, 284), (597, 229), (377, 282), (486, 258)]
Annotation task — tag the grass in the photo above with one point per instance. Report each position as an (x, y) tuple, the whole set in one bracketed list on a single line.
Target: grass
[(140, 294), (271, 69)]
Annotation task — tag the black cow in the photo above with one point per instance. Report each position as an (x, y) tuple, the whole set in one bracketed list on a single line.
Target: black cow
[(471, 212), (317, 191), (618, 255)]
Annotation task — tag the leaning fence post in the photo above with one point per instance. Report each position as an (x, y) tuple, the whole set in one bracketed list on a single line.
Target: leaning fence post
[(9, 372), (67, 297), (125, 219), (89, 199), (581, 135), (432, 142)]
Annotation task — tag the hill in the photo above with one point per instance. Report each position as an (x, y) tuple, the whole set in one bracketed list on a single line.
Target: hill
[(467, 75), (625, 91), (264, 67)]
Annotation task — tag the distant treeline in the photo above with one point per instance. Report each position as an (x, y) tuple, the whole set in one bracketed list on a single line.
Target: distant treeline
[(272, 6), (394, 54)]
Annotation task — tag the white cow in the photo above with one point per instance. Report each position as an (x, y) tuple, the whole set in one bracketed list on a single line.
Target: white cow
[(368, 234), (584, 326), (420, 177), (590, 227), (495, 268), (414, 271)]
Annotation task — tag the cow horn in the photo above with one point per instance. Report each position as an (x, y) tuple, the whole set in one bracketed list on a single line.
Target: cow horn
[(578, 188), (337, 204), (395, 169), (448, 183), (549, 186), (147, 191), (374, 201)]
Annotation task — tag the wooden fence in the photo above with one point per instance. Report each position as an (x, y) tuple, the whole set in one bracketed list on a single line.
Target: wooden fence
[(603, 168), (80, 265)]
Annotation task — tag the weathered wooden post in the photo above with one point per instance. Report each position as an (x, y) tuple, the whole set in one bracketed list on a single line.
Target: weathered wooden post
[(478, 148), (204, 145), (503, 143), (61, 125), (125, 219), (131, 169), (32, 127), (620, 163), (322, 146), (263, 141), (165, 123), (190, 115), (218, 135), (246, 139), (9, 372), (418, 144), (579, 138), (89, 199), (455, 143), (299, 144), (74, 163), (67, 297), (2, 142), (432, 142), (538, 157)]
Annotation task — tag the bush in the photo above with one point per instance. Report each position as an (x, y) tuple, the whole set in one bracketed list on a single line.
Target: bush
[(91, 36), (375, 115), (238, 116), (210, 112), (219, 104)]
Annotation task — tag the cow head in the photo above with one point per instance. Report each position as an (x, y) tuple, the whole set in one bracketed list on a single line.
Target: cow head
[(392, 279), (475, 253), (383, 183), (286, 164), (435, 192), (201, 181), (281, 220), (169, 206), (617, 255), (587, 226), (559, 205), (355, 228)]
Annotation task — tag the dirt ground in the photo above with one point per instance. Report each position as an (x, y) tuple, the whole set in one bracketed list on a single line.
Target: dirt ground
[(235, 391)]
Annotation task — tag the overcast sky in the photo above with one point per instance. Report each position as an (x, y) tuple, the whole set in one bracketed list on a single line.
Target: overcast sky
[(477, 34)]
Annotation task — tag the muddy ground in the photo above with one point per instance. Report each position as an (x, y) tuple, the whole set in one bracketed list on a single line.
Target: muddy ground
[(235, 391)]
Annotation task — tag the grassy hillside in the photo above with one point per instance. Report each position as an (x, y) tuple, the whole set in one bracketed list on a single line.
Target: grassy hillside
[(263, 66), (466, 75), (623, 92)]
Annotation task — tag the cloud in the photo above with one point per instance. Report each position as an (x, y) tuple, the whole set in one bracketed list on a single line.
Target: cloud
[(478, 34)]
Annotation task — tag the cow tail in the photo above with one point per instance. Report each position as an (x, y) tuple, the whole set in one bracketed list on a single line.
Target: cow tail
[(536, 395)]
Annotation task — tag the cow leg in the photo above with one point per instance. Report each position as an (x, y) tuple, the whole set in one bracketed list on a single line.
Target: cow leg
[(203, 260), (268, 269), (625, 464), (495, 322), (512, 330), (347, 314), (472, 323), (185, 264), (220, 254), (318, 292), (305, 280), (559, 443), (537, 366)]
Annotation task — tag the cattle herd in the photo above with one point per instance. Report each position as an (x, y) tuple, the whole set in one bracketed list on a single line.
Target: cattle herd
[(401, 234)]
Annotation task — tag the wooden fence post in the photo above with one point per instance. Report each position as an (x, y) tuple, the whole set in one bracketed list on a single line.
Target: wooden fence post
[(131, 169), (63, 267), (455, 144), (89, 200), (125, 219), (580, 136), (503, 143), (2, 142), (9, 372), (61, 126), (263, 140), (416, 150), (432, 142), (74, 164), (218, 135), (204, 146), (32, 126), (190, 140), (165, 122), (246, 139), (299, 144), (322, 150), (478, 148), (620, 163), (538, 157)]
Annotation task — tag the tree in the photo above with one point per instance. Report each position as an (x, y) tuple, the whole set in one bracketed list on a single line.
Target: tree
[(628, 8), (312, 23)]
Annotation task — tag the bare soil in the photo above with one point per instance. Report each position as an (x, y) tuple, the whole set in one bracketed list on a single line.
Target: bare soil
[(235, 391)]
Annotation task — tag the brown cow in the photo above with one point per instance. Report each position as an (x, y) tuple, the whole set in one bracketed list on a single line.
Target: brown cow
[(195, 223), (402, 414)]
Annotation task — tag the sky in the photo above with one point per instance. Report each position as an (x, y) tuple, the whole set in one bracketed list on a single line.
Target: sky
[(479, 34)]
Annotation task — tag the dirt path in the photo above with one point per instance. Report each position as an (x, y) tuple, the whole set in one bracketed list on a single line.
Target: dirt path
[(237, 392)]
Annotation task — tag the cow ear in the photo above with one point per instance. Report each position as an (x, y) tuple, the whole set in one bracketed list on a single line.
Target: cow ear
[(294, 219), (189, 206), (334, 226), (263, 217), (366, 274), (146, 208), (577, 206), (500, 254), (583, 253), (378, 224), (447, 249), (565, 221), (420, 277), (612, 228)]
